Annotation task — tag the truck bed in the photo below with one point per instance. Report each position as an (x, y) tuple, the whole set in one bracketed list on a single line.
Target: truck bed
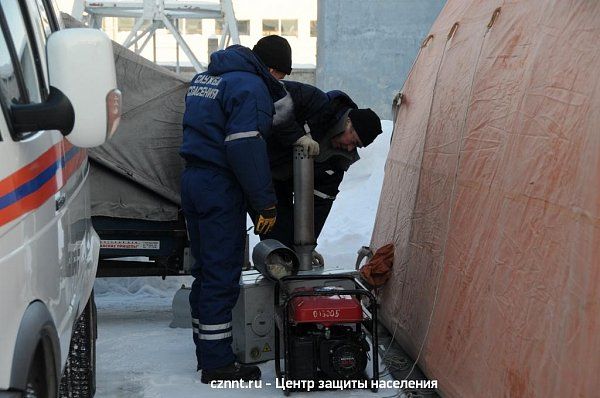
[(131, 247)]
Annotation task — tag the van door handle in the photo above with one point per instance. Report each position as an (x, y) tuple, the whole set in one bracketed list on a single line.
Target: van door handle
[(61, 199)]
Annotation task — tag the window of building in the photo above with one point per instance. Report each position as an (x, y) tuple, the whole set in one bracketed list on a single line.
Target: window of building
[(125, 24), (179, 24), (313, 28), (270, 27), (213, 45), (289, 27), (243, 27), (106, 22), (219, 26), (193, 26)]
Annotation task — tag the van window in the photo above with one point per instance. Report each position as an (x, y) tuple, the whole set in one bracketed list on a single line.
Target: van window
[(23, 48), (45, 16), (9, 86)]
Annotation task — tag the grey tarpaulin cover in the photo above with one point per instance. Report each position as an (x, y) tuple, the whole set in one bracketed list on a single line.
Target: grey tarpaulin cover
[(136, 174)]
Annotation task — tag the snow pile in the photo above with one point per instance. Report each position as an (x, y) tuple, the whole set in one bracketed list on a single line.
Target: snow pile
[(348, 226)]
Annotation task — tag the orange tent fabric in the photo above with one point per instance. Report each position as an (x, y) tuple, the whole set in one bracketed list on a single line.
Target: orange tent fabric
[(491, 198), (379, 269)]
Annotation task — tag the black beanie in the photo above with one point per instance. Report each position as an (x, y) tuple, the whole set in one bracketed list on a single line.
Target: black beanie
[(275, 52), (366, 123)]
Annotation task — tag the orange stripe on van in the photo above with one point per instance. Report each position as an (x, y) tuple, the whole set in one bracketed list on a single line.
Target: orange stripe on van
[(74, 163), (30, 171), (28, 203)]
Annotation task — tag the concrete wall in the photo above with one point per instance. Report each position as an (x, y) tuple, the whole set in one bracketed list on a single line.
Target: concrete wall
[(366, 47)]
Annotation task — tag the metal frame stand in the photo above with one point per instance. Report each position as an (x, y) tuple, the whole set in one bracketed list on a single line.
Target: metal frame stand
[(161, 14)]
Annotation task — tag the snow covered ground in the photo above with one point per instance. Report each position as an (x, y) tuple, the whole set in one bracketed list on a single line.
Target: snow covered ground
[(140, 356)]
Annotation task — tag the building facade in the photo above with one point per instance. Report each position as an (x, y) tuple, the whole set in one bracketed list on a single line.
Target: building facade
[(296, 20)]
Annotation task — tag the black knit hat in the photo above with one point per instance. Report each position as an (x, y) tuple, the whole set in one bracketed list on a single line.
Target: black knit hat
[(275, 52), (366, 123)]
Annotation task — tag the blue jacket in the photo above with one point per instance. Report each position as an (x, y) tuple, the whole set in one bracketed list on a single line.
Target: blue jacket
[(228, 112)]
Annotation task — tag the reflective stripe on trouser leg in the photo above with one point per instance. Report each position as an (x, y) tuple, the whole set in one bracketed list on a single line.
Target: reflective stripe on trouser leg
[(217, 336), (219, 201), (213, 328), (323, 195), (211, 332)]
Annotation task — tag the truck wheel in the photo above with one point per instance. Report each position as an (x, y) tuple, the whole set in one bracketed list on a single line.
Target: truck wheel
[(79, 376)]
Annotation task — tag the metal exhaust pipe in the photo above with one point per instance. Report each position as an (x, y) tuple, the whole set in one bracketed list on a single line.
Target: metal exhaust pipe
[(274, 260), (304, 207)]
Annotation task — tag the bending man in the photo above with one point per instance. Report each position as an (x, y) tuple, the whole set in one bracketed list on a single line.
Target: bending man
[(329, 125)]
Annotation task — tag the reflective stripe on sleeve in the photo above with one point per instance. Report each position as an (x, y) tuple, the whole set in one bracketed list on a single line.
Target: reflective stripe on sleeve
[(238, 136), (306, 128)]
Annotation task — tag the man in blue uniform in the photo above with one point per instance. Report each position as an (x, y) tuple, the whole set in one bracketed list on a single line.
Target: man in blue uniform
[(228, 116)]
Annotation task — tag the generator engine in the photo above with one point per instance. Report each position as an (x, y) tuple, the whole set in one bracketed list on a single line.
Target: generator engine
[(338, 352), (325, 333)]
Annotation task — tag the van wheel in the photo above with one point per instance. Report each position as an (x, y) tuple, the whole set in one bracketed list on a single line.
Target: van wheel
[(79, 377), (36, 378)]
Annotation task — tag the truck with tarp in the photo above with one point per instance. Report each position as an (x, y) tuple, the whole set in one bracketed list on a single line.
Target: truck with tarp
[(135, 177)]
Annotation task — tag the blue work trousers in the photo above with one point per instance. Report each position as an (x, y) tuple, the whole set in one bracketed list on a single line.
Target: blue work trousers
[(215, 213)]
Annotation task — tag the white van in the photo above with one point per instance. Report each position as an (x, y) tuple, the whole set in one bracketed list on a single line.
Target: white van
[(57, 96)]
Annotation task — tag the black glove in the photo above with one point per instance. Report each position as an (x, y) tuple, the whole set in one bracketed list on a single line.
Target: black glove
[(265, 221)]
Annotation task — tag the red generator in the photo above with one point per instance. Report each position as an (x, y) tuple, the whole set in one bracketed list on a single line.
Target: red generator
[(324, 330)]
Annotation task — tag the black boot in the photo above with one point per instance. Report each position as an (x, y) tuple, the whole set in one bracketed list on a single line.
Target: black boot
[(233, 371)]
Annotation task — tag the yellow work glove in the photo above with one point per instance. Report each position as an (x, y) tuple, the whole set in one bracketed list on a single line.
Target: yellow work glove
[(265, 221)]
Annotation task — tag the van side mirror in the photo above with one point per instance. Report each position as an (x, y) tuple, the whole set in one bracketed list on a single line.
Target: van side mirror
[(81, 66), (56, 113)]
